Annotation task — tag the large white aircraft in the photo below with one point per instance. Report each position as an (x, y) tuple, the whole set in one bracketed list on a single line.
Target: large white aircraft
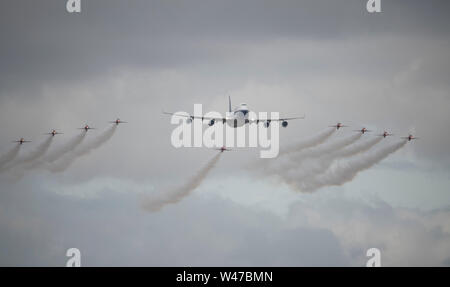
[(237, 117)]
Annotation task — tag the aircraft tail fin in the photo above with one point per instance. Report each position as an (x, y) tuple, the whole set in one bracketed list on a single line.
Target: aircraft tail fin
[(229, 104)]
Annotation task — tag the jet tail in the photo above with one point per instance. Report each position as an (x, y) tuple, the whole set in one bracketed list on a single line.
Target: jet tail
[(229, 104)]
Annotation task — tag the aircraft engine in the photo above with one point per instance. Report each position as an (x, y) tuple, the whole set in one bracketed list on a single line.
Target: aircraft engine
[(284, 124), (266, 124), (211, 123)]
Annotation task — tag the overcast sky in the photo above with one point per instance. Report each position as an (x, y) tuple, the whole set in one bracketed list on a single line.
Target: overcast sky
[(132, 59)]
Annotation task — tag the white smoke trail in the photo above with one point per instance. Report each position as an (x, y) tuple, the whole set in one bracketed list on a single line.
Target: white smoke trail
[(306, 144), (327, 148), (64, 162), (61, 151), (35, 154), (313, 141), (155, 203), (317, 165), (358, 147), (343, 172), (9, 156), (306, 155), (34, 160)]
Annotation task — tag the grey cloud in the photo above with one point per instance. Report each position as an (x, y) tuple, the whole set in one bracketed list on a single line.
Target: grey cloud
[(41, 42), (405, 236), (110, 229), (131, 59)]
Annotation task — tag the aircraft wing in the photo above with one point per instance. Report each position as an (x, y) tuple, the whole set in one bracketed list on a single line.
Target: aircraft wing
[(225, 119), (196, 117), (222, 150), (276, 120), (288, 119)]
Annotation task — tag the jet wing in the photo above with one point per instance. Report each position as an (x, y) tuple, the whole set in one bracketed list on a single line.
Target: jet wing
[(196, 117), (275, 120), (225, 119), (222, 150), (289, 119)]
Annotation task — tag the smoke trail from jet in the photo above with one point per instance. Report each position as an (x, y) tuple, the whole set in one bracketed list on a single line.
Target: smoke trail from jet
[(9, 156), (68, 147), (64, 162), (328, 147), (313, 141), (58, 153), (302, 170), (35, 154), (154, 204), (343, 172), (356, 148), (306, 144), (309, 154)]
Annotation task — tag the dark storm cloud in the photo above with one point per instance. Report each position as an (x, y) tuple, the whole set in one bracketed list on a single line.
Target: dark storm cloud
[(421, 237), (111, 230), (38, 226), (41, 42), (330, 59), (395, 62)]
